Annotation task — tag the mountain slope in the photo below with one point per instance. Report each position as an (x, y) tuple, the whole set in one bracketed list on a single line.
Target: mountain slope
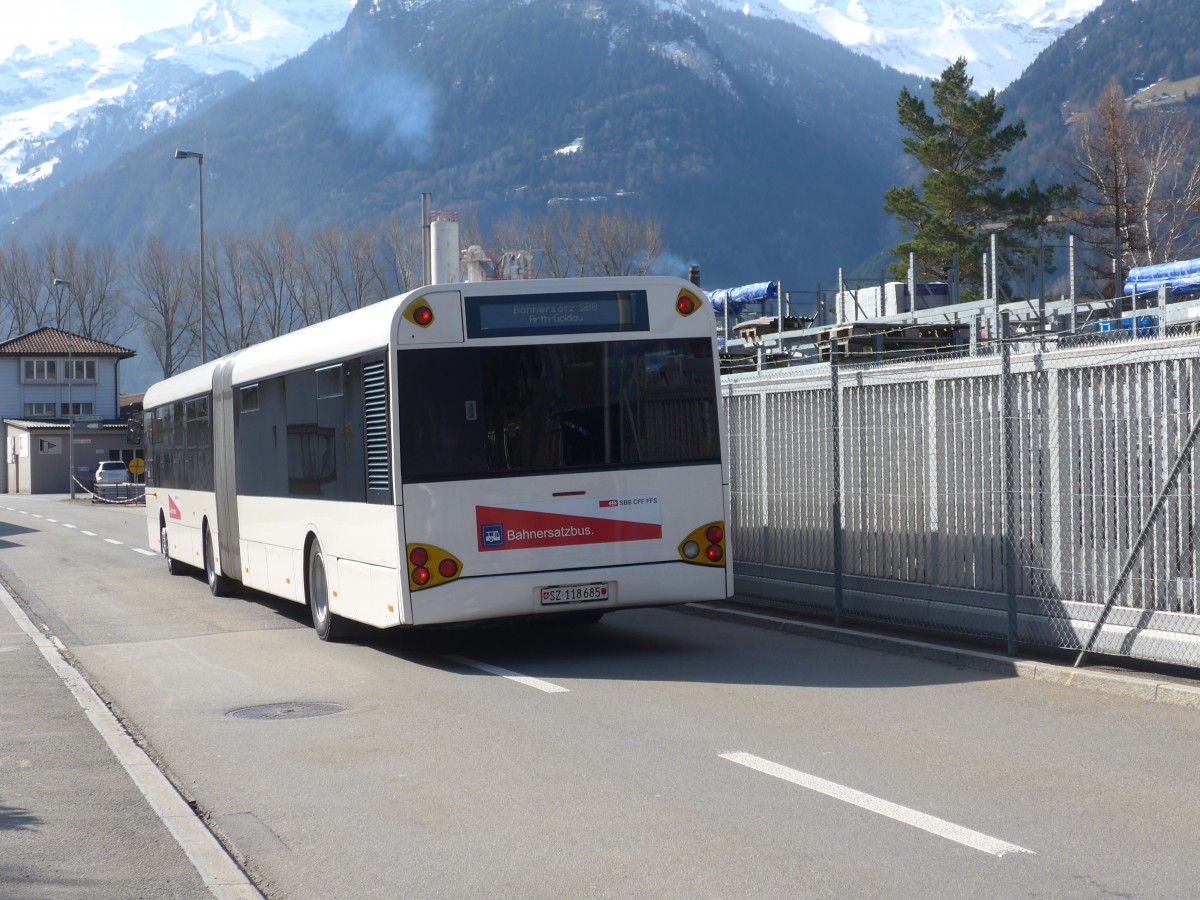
[(763, 149), (71, 108), (1138, 42)]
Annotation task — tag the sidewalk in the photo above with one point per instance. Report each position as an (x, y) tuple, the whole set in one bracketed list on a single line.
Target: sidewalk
[(1149, 686), (83, 811)]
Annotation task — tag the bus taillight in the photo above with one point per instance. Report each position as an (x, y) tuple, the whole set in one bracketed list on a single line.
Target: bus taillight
[(705, 546), (420, 313), (429, 566), (687, 303)]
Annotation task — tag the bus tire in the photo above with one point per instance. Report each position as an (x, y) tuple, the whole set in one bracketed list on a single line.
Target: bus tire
[(174, 566), (316, 585), (218, 584)]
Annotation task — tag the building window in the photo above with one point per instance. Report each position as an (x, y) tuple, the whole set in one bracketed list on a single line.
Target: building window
[(39, 370), (39, 410), (85, 370), (77, 409)]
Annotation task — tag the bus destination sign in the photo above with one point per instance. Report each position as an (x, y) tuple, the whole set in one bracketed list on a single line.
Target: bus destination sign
[(575, 312)]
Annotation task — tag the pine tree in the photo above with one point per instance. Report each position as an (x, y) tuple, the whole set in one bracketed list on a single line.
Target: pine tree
[(961, 194)]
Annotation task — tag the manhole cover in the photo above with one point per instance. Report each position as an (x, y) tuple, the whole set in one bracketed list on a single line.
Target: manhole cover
[(300, 710)]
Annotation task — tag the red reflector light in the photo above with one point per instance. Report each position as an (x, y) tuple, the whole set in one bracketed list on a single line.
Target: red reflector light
[(418, 556), (422, 315), (447, 568), (420, 575), (686, 305), (713, 553), (715, 534)]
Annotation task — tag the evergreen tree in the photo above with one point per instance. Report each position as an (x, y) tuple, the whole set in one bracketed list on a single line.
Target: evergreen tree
[(961, 197)]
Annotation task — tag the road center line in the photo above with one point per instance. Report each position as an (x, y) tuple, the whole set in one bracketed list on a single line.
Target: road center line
[(69, 525), (111, 541), (511, 676), (143, 552), (221, 874), (948, 830), (88, 533)]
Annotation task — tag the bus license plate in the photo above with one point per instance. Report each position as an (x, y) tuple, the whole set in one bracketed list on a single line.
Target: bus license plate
[(574, 593)]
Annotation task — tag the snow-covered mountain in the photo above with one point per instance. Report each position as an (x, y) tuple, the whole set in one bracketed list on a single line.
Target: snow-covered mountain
[(999, 38), (70, 108), (57, 100)]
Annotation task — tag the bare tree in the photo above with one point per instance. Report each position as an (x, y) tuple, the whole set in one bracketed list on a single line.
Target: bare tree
[(97, 292), (401, 250), (363, 283), (1138, 177), (158, 278), (235, 307), (622, 244), (321, 265), (25, 301), (276, 271)]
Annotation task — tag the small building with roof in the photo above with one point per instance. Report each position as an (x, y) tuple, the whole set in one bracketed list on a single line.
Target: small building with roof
[(59, 398)]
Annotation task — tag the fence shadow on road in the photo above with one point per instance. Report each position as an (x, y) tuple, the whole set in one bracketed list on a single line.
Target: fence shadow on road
[(16, 818), (8, 530)]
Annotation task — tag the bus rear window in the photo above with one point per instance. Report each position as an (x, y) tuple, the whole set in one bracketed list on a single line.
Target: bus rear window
[(475, 412)]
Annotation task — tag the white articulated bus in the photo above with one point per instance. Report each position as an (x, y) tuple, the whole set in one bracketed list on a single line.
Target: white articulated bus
[(458, 453)]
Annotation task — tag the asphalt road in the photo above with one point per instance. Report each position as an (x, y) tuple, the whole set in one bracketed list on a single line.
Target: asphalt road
[(652, 755)]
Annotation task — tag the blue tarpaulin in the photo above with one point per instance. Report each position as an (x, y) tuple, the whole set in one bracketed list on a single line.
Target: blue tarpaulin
[(1183, 277), (739, 297)]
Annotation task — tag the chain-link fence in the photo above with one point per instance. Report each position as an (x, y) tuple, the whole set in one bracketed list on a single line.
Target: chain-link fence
[(1036, 489)]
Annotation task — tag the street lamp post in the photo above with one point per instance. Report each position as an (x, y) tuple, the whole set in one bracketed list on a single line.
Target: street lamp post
[(62, 284), (199, 157)]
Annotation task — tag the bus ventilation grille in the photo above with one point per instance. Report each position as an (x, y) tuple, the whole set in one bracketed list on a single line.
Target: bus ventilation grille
[(375, 420)]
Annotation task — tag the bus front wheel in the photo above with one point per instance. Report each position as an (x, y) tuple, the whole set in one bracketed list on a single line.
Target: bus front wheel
[(174, 566), (329, 627)]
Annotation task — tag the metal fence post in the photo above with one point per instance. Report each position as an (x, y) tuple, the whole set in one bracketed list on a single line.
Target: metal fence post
[(1162, 311), (835, 439), (1007, 482)]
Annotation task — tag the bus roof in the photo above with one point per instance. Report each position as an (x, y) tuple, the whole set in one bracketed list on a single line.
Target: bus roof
[(355, 333)]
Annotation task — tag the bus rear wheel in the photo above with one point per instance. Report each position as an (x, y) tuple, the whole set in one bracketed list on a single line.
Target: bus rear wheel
[(328, 626), (218, 584)]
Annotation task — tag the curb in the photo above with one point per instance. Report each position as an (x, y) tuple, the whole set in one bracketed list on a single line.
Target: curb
[(1141, 687)]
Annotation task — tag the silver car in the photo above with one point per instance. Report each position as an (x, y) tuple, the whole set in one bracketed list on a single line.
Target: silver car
[(112, 471)]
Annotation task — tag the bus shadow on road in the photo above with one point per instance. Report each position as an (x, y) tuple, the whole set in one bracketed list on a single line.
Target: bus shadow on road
[(665, 646)]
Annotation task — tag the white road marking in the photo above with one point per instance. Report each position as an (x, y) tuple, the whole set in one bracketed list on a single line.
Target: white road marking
[(223, 877), (143, 552), (88, 533), (111, 541), (69, 525), (948, 830), (511, 676), (36, 516)]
